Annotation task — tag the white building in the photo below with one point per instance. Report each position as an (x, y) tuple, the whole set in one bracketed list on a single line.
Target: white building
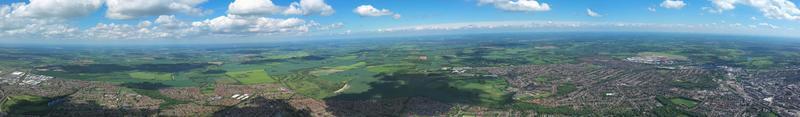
[(18, 73)]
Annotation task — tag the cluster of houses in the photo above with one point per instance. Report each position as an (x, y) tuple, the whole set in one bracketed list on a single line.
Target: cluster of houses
[(457, 70), (22, 78), (658, 60)]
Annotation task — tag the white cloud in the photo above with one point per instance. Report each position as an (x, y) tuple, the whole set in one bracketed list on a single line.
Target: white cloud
[(331, 26), (547, 26), (768, 25), (57, 8), (294, 9), (773, 9), (591, 13), (307, 7), (517, 5), (25, 21), (169, 27), (163, 27), (397, 16), (723, 5), (123, 31), (673, 4), (267, 7), (232, 24), (129, 9), (170, 22), (651, 9), (777, 9), (253, 7), (369, 10)]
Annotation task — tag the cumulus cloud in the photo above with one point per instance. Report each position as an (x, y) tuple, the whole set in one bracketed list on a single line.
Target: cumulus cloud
[(129, 9), (253, 7), (723, 5), (591, 13), (308, 7), (331, 26), (30, 21), (56, 8), (169, 27), (231, 24), (673, 4), (23, 21), (773, 9), (267, 7), (517, 5), (124, 31), (165, 26), (369, 10)]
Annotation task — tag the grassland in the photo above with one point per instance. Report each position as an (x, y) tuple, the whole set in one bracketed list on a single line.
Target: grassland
[(151, 75), (768, 114), (329, 70), (251, 77), (490, 91), (565, 88), (758, 62), (674, 107), (317, 89), (25, 104), (288, 55), (390, 68), (684, 102)]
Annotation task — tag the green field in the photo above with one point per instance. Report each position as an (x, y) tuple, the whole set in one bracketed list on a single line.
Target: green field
[(544, 79), (349, 67), (491, 91), (768, 114), (251, 77), (151, 75), (390, 68), (566, 88), (674, 107), (330, 70), (758, 62), (317, 89), (27, 104), (684, 102), (288, 55)]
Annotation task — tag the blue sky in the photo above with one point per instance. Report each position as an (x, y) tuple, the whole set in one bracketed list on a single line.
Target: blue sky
[(207, 18)]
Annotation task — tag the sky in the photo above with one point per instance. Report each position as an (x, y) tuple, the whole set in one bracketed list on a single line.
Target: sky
[(280, 19)]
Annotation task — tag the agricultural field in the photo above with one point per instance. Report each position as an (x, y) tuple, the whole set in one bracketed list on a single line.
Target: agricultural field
[(251, 77), (151, 76)]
